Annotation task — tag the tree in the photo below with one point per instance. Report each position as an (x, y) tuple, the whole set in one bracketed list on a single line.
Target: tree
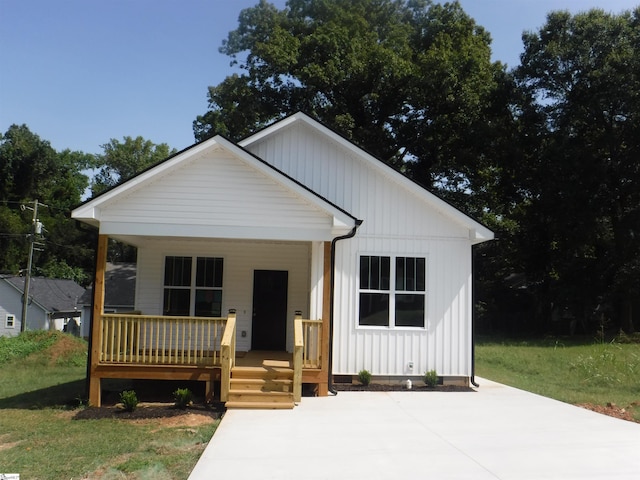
[(31, 169), (583, 218), (122, 160), (409, 81)]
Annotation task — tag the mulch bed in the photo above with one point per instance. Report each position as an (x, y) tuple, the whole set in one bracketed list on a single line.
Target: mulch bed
[(381, 387)]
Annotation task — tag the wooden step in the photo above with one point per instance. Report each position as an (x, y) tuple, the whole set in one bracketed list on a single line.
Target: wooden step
[(259, 405), (263, 387), (262, 372), (262, 384), (259, 396)]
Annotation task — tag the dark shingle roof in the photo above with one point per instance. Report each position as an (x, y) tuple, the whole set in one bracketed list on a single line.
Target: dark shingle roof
[(53, 294)]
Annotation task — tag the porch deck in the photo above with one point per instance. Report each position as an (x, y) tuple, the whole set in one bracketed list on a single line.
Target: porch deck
[(263, 358), (203, 349)]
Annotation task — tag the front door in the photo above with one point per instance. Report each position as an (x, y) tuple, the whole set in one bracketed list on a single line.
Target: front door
[(269, 326)]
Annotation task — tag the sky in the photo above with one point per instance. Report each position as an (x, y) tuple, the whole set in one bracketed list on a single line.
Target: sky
[(80, 72)]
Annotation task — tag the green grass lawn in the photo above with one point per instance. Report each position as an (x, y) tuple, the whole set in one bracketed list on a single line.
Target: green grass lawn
[(570, 370), (41, 384)]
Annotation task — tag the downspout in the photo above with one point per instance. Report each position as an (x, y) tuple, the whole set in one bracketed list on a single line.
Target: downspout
[(351, 234), (473, 321)]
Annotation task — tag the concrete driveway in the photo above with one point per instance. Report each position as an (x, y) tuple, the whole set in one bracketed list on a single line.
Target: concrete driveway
[(497, 432)]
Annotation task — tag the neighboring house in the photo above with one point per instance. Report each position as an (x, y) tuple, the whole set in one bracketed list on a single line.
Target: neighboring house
[(53, 305), (293, 218), (120, 286)]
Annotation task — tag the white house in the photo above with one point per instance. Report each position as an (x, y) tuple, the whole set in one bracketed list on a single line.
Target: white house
[(296, 219)]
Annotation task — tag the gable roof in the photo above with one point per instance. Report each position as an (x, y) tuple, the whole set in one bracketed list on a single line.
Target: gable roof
[(91, 211), (51, 294), (478, 232)]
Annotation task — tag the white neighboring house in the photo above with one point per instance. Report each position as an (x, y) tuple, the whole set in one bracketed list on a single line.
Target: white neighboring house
[(120, 286), (53, 305), (297, 218)]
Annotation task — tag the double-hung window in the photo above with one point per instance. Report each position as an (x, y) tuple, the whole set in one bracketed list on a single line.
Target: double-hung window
[(10, 321), (392, 291), (193, 286)]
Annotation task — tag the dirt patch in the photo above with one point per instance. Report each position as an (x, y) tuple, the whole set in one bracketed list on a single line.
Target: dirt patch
[(612, 410), (6, 445), (165, 415), (64, 348)]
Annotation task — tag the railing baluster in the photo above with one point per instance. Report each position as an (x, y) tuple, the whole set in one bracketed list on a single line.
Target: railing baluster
[(146, 339)]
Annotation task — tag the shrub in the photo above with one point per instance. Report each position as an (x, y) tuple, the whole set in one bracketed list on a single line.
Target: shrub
[(364, 377), (129, 400), (431, 378), (182, 398)]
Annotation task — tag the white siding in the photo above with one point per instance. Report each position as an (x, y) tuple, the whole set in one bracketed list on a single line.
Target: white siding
[(213, 195), (241, 258), (9, 305), (396, 221)]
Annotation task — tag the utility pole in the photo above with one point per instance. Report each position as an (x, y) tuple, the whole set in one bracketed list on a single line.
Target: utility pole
[(36, 229)]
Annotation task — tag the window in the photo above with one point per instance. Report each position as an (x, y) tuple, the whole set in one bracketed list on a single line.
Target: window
[(193, 286), (11, 321), (397, 303), (410, 292)]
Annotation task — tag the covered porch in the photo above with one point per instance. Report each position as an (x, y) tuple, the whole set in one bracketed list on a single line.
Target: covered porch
[(163, 347)]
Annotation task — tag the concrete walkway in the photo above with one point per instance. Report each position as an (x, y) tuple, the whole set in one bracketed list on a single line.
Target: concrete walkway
[(497, 432)]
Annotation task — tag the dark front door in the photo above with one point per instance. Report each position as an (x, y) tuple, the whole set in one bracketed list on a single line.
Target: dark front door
[(269, 327)]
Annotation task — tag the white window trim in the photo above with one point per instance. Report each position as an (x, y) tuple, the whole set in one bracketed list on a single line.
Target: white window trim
[(392, 290), (13, 321)]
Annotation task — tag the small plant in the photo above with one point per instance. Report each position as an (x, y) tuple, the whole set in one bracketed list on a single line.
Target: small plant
[(431, 378), (182, 398), (364, 377), (129, 400)]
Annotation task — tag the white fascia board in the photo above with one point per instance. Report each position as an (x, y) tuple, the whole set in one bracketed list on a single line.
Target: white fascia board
[(480, 232), (90, 211), (116, 229), (279, 125)]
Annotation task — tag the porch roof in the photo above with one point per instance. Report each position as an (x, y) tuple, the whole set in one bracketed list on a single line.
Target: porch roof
[(214, 189)]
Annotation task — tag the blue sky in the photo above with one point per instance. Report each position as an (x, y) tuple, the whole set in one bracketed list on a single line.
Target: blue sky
[(80, 72)]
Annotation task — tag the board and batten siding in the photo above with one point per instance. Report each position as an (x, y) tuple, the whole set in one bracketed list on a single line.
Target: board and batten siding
[(397, 221), (241, 258), (215, 195)]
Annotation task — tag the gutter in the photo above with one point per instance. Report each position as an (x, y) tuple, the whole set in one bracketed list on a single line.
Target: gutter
[(473, 322), (351, 234)]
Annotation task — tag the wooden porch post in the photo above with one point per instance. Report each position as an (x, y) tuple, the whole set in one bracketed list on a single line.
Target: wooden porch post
[(323, 388), (96, 320)]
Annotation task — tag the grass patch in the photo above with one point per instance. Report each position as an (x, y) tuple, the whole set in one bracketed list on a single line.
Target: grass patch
[(570, 370), (39, 438)]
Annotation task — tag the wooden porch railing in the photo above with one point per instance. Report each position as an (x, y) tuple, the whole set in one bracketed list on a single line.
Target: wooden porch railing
[(228, 354), (312, 338), (160, 340), (307, 348)]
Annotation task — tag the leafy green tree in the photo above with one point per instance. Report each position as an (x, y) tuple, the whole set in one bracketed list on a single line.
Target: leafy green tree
[(583, 215), (31, 169), (122, 160), (408, 81)]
